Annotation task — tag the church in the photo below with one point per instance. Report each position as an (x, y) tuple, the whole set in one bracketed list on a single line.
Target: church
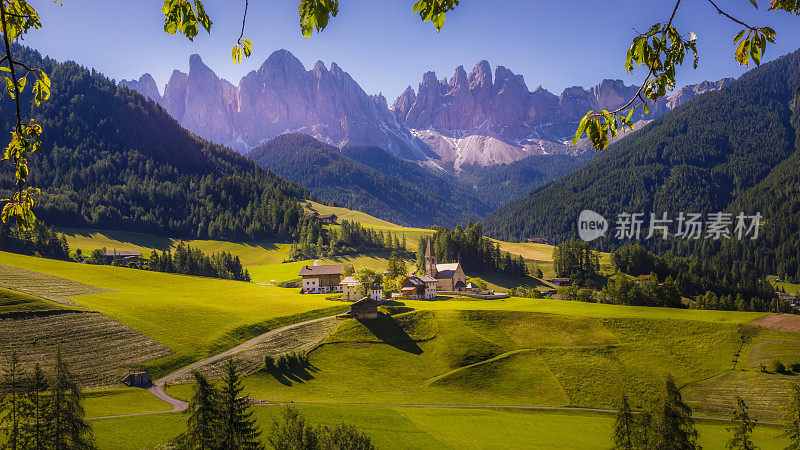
[(449, 277)]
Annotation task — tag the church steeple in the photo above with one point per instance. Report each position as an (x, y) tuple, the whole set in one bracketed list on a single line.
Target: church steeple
[(430, 260)]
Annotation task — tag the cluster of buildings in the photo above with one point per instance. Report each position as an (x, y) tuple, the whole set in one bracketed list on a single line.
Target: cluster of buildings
[(438, 278), (328, 219)]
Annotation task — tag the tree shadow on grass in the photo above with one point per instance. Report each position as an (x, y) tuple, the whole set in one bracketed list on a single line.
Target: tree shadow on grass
[(390, 332), (292, 376)]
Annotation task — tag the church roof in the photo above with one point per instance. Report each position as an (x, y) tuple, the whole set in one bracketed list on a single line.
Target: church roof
[(446, 271)]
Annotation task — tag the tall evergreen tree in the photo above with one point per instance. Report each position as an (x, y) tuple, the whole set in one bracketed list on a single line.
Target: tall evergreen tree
[(624, 426), (237, 428), (791, 418), (36, 411), (13, 384), (203, 416), (742, 427), (672, 424), (69, 429)]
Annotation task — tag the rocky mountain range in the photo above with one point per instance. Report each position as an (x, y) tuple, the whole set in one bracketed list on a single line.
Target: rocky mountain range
[(482, 118)]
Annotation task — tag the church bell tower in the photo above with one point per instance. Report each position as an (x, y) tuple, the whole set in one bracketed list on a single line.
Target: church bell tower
[(430, 260)]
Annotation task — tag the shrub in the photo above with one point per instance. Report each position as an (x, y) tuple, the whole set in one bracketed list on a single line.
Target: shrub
[(795, 366), (762, 367), (778, 366), (283, 363)]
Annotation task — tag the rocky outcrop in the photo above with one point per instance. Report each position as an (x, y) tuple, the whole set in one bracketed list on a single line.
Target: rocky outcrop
[(145, 85)]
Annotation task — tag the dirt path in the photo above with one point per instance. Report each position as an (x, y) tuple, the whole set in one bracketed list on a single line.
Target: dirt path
[(179, 405)]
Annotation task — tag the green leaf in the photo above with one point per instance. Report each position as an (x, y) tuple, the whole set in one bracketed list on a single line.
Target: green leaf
[(738, 36), (581, 128)]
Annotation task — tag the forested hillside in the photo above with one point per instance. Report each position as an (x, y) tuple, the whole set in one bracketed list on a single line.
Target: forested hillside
[(113, 159), (733, 150), (501, 183), (371, 180)]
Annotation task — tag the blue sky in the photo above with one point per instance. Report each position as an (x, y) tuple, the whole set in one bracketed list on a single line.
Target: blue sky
[(555, 44)]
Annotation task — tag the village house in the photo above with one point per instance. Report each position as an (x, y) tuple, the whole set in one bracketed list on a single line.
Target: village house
[(352, 290), (449, 277), (536, 240), (418, 288), (559, 281), (330, 219), (125, 256), (366, 308), (321, 279)]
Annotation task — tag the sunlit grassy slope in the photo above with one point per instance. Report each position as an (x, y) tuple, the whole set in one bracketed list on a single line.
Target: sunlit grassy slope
[(191, 315), (258, 253)]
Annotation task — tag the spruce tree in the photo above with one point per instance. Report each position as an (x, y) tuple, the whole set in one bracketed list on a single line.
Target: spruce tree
[(237, 428), (791, 418), (36, 411), (203, 414), (624, 426), (742, 428), (672, 423), (69, 429), (13, 384)]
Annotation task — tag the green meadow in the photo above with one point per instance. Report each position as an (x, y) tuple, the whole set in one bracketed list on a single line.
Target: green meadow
[(193, 316), (421, 427)]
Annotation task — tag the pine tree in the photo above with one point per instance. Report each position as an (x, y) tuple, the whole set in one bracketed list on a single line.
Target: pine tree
[(69, 429), (742, 428), (203, 416), (672, 423), (36, 411), (624, 426), (13, 384), (237, 428), (791, 418)]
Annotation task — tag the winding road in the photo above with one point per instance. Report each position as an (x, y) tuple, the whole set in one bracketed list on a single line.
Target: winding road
[(178, 405)]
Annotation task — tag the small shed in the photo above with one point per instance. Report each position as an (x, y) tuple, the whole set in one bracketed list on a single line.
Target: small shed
[(366, 308), (138, 379)]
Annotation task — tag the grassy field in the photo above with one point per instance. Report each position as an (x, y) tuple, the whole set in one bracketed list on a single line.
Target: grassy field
[(347, 214), (193, 316), (522, 352), (415, 428), (250, 253), (17, 302)]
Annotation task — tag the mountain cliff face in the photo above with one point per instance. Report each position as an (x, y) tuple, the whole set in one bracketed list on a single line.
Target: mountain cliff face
[(485, 119), (482, 118), (280, 97)]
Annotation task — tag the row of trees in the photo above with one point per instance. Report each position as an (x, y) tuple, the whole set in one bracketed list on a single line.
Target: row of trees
[(315, 241), (39, 240), (42, 411), (184, 260), (712, 286), (192, 261), (475, 252)]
